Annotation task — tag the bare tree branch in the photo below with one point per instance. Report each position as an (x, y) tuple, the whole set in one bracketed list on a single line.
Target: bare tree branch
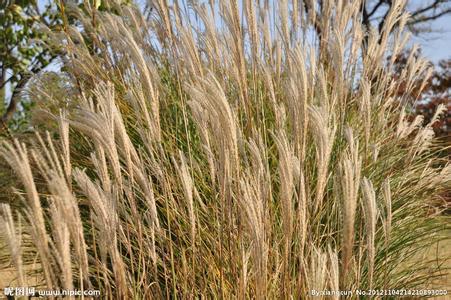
[(429, 18), (25, 77), (366, 16), (432, 6), (12, 106), (382, 23), (432, 11), (375, 8)]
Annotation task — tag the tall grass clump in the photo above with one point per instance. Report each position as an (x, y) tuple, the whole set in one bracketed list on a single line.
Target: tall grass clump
[(252, 149)]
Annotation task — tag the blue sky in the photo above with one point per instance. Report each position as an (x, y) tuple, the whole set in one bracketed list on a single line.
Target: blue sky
[(437, 45)]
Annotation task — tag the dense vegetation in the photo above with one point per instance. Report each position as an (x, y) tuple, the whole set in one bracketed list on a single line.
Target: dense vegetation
[(226, 150)]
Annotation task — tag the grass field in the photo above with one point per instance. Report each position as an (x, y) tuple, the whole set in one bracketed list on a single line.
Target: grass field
[(228, 150)]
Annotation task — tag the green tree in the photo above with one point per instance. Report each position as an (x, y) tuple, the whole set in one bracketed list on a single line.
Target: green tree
[(23, 47)]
